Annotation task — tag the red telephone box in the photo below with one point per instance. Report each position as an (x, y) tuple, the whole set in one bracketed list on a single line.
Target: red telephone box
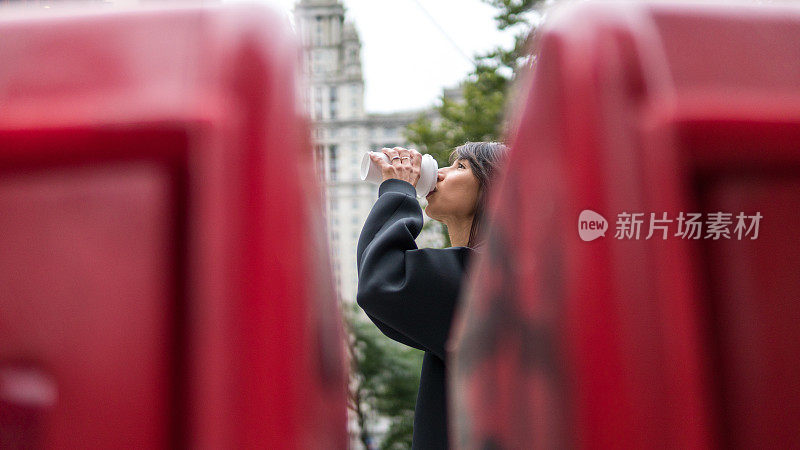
[(164, 270), (662, 339)]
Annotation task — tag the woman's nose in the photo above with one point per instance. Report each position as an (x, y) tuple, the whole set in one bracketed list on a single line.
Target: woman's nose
[(440, 175)]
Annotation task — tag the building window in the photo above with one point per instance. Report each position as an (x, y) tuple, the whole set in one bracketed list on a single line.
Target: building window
[(332, 162), (333, 99), (318, 103), (318, 32), (319, 155)]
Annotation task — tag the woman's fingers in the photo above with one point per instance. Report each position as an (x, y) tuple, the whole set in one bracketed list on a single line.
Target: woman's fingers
[(404, 164), (409, 157), (382, 164), (391, 153), (416, 158), (402, 157)]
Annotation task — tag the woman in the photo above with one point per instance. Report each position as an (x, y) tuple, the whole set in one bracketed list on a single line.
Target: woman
[(409, 293)]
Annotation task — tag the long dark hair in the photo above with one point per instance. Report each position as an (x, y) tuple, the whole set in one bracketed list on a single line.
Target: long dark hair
[(484, 158)]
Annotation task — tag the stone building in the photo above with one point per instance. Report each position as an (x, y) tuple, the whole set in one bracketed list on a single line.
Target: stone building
[(344, 131)]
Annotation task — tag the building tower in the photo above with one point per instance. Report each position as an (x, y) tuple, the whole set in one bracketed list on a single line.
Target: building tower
[(343, 131)]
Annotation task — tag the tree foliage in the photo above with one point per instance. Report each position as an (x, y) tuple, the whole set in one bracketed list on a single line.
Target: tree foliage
[(386, 372), (479, 113), (387, 377)]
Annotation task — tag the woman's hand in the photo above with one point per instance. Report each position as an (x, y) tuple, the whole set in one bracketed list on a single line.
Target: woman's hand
[(404, 164)]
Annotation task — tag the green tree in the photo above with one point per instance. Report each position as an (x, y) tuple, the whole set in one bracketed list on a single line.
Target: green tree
[(479, 114), (386, 373), (386, 379)]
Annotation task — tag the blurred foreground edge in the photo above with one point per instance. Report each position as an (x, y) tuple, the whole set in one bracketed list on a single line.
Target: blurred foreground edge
[(641, 343), (165, 277)]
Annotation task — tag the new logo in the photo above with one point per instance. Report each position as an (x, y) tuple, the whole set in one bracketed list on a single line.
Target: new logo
[(591, 225)]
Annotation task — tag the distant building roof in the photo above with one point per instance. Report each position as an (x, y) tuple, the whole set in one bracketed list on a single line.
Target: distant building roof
[(350, 33), (319, 2)]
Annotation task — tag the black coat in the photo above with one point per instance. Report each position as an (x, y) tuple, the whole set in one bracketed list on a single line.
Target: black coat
[(410, 294)]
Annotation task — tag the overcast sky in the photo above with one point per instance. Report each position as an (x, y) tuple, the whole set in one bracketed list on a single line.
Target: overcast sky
[(407, 59)]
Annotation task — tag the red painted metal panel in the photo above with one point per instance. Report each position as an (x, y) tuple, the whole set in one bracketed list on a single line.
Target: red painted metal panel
[(86, 294), (753, 291), (185, 119), (625, 342)]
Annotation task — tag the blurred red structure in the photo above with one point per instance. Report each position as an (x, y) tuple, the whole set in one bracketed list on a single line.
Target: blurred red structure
[(642, 343), (165, 276)]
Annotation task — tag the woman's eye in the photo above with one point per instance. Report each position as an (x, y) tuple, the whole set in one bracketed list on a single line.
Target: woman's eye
[(461, 166)]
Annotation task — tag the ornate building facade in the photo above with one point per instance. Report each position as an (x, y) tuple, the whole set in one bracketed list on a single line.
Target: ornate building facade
[(344, 131)]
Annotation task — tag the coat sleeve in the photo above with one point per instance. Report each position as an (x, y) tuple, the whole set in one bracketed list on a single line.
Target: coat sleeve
[(409, 293)]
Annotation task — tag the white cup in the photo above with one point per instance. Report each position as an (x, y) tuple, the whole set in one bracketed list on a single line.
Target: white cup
[(371, 172)]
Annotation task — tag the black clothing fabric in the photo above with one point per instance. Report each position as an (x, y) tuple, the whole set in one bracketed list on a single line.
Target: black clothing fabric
[(410, 294)]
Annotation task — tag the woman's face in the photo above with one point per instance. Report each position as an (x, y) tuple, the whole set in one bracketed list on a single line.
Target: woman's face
[(456, 193)]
